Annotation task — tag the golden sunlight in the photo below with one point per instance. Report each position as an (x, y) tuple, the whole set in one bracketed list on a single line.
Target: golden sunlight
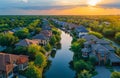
[(93, 2)]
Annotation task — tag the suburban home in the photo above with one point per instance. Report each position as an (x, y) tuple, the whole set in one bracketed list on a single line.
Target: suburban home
[(27, 42), (10, 64), (22, 62), (41, 38), (107, 23), (100, 49), (45, 25), (47, 33), (81, 31), (11, 32), (71, 26), (62, 24)]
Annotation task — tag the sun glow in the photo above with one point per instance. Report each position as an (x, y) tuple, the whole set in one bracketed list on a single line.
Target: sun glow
[(93, 2)]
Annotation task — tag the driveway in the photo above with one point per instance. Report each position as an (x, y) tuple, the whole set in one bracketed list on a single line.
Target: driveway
[(102, 72)]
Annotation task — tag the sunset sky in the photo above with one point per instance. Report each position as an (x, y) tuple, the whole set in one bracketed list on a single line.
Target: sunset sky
[(59, 7)]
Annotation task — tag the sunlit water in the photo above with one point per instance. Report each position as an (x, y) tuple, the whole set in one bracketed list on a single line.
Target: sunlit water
[(60, 67)]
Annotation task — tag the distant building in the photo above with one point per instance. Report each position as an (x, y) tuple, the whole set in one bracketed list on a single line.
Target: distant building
[(81, 31), (107, 23), (45, 25), (10, 64)]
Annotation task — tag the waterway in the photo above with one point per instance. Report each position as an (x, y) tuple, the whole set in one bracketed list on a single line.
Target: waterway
[(60, 67)]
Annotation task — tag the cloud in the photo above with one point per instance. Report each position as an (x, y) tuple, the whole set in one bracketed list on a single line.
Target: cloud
[(49, 7), (116, 5), (26, 1)]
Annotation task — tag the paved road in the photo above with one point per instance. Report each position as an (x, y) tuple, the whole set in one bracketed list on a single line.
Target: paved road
[(102, 72)]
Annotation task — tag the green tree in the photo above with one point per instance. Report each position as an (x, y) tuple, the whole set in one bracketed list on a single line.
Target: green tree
[(115, 75), (8, 39), (84, 74), (99, 35), (37, 30), (58, 38), (21, 34), (53, 40), (33, 50), (109, 32), (118, 51), (92, 60), (117, 36), (33, 72), (77, 45), (81, 65), (40, 60), (48, 47), (55, 31), (20, 50)]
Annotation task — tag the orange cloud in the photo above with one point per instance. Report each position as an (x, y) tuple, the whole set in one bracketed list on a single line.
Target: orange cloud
[(83, 11)]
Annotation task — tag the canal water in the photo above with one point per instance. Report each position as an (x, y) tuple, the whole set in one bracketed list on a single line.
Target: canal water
[(60, 67)]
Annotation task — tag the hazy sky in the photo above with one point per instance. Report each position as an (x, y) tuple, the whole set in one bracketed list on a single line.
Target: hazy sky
[(59, 7)]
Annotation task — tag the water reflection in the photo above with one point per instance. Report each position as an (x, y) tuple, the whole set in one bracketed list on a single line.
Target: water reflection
[(53, 54), (60, 67)]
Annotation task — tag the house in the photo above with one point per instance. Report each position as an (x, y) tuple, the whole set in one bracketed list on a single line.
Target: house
[(47, 33), (41, 38), (100, 49), (81, 31), (85, 52), (22, 62), (45, 25), (107, 23), (71, 26), (103, 42), (90, 37), (27, 42), (101, 52), (10, 63)]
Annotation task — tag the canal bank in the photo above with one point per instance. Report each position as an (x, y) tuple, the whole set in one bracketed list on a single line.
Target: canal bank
[(60, 67)]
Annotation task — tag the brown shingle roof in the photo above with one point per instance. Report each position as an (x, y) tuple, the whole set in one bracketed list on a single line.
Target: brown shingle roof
[(7, 61), (27, 42), (47, 33), (22, 59), (40, 37)]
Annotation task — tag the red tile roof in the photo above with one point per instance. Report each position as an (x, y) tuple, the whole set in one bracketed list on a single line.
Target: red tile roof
[(22, 59), (7, 61)]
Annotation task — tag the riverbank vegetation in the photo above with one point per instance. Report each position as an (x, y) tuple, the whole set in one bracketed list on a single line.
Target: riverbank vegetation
[(83, 67), (101, 26), (17, 28)]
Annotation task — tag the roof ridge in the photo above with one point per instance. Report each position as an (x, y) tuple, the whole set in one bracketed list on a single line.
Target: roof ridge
[(27, 41)]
